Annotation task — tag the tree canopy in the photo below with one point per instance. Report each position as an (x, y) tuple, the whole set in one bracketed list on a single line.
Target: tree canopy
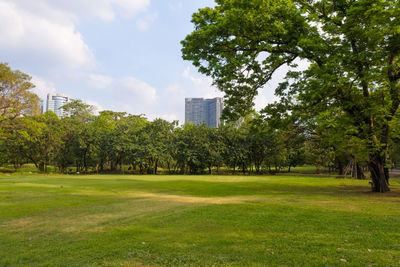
[(352, 49), (16, 99)]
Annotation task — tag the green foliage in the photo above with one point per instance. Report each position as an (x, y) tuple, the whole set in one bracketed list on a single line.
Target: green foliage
[(120, 142), (16, 99), (353, 55), (193, 148), (34, 139)]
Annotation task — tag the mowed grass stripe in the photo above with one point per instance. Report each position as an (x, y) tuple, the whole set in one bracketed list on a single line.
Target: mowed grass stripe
[(112, 220)]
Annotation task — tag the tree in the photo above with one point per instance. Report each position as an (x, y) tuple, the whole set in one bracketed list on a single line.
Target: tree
[(16, 99), (105, 126), (293, 139), (136, 153), (34, 138), (352, 49), (79, 134), (395, 154), (261, 141), (193, 145), (233, 150), (171, 157), (153, 143)]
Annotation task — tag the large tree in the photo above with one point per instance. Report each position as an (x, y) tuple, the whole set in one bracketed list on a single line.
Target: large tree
[(33, 139), (16, 99), (351, 48)]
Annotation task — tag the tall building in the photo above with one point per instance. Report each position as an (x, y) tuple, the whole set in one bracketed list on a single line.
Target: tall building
[(55, 103), (199, 110)]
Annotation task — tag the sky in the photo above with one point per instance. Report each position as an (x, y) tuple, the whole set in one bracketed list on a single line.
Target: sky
[(120, 55)]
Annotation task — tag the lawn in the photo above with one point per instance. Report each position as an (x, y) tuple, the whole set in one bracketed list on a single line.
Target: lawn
[(113, 220)]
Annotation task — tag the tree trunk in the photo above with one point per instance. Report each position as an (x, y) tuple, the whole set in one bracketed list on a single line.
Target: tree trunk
[(141, 168), (169, 167), (101, 165), (41, 166), (358, 172), (340, 166), (379, 177), (113, 166), (257, 168)]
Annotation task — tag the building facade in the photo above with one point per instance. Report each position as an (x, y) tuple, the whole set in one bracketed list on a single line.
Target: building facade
[(55, 103), (199, 110)]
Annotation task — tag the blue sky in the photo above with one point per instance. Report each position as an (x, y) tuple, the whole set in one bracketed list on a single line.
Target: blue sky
[(121, 55)]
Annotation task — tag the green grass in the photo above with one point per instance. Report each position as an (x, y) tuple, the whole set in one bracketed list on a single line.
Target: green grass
[(111, 220), (26, 168)]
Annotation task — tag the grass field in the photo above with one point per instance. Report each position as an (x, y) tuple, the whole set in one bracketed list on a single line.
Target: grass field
[(105, 220)]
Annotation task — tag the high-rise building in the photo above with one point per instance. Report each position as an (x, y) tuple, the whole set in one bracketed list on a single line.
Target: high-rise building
[(55, 103), (199, 110)]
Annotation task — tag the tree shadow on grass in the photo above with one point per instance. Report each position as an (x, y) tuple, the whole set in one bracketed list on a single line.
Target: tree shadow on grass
[(300, 188), (231, 189)]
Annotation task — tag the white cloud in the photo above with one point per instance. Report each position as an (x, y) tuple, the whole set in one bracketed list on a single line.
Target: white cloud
[(144, 23), (99, 81), (186, 73), (129, 94), (87, 9), (43, 34), (130, 89), (265, 96), (12, 24), (174, 102), (169, 117), (105, 10), (40, 41), (43, 87), (201, 86), (132, 7), (96, 107)]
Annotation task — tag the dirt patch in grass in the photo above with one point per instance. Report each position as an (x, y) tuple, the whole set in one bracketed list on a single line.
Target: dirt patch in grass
[(143, 205), (36, 185), (205, 200), (17, 223), (95, 220)]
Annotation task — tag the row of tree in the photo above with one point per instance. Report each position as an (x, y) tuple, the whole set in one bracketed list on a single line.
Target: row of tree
[(115, 141), (107, 142)]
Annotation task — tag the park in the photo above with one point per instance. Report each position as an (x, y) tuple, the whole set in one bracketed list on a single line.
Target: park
[(114, 220), (308, 176)]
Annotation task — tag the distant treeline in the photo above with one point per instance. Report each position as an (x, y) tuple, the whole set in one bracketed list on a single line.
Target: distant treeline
[(84, 142)]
